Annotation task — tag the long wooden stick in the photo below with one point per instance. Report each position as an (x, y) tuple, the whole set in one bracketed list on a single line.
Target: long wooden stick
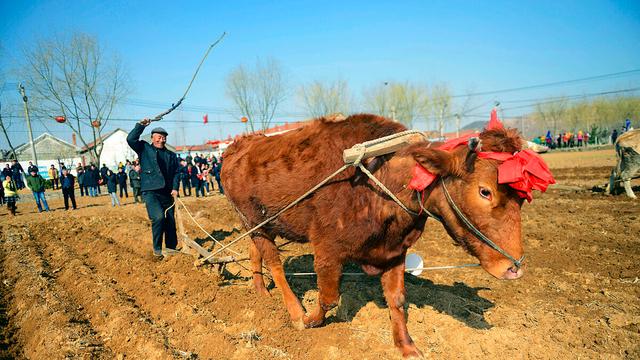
[(175, 106)]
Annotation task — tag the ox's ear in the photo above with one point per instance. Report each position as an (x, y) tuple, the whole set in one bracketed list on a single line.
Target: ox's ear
[(437, 162)]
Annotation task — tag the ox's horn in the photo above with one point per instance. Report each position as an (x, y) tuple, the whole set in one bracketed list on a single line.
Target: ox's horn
[(474, 144)]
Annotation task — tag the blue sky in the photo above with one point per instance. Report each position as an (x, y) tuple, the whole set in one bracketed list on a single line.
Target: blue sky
[(471, 46)]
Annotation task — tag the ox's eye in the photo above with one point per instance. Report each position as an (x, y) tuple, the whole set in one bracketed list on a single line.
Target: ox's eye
[(485, 193)]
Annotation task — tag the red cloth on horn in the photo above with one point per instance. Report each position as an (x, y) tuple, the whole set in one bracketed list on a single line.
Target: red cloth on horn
[(494, 122), (525, 171), (205, 118)]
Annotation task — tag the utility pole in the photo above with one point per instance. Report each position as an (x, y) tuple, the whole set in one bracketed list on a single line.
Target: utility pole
[(26, 114), (457, 125), (444, 106)]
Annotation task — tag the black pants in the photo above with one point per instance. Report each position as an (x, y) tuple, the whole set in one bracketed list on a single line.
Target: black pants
[(198, 184), (69, 193), (220, 185), (157, 202), (82, 190), (11, 204), (186, 185), (124, 188), (54, 183), (137, 194)]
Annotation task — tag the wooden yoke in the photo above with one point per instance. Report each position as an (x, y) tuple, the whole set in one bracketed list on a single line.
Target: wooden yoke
[(352, 154)]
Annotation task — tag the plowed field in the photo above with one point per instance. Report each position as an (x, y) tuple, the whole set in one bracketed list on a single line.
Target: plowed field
[(82, 284)]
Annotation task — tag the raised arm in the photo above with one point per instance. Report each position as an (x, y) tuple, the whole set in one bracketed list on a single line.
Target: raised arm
[(133, 139)]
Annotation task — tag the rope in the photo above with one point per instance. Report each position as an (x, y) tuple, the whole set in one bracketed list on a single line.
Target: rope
[(362, 148), (387, 191), (201, 228), (295, 202), (446, 267), (517, 263)]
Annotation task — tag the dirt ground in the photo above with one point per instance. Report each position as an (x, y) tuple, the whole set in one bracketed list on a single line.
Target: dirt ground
[(82, 284)]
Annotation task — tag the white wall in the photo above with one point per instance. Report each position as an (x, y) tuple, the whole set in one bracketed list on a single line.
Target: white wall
[(115, 150)]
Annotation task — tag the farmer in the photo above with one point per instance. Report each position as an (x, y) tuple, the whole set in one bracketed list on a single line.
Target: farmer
[(160, 180), (35, 182), (67, 182), (10, 193)]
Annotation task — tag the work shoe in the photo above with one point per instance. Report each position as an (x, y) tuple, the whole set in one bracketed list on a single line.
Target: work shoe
[(157, 256), (170, 252)]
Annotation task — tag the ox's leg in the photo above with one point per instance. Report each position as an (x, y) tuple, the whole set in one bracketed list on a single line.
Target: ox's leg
[(329, 272), (627, 188), (394, 293), (271, 258), (611, 186), (256, 267)]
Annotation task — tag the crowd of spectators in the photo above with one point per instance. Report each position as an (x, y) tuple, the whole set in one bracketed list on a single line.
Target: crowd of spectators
[(199, 176)]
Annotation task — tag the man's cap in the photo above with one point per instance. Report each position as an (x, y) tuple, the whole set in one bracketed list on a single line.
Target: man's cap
[(159, 130)]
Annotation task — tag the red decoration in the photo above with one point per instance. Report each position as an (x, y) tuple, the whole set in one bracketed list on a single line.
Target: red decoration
[(421, 178), (205, 118), (95, 123), (244, 119), (524, 171), (494, 122), (60, 119)]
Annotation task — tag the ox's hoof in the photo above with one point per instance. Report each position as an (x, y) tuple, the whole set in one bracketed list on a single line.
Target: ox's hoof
[(261, 290), (412, 352), (310, 322), (298, 324)]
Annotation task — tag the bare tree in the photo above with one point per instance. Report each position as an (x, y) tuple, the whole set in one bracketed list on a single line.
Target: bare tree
[(550, 114), (257, 93), (440, 105), (3, 125), (73, 77), (404, 102), (6, 135), (323, 99)]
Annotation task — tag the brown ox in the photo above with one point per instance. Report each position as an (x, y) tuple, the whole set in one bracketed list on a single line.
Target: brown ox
[(350, 219)]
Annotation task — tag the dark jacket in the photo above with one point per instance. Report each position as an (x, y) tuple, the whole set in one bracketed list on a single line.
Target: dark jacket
[(35, 183), (32, 168), (80, 172), (122, 179), (68, 180), (111, 182), (195, 171), (217, 169), (151, 175), (134, 179), (91, 177), (16, 168), (103, 172), (6, 172)]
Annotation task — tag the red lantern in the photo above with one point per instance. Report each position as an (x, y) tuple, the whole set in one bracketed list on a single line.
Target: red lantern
[(95, 123), (244, 119), (60, 119)]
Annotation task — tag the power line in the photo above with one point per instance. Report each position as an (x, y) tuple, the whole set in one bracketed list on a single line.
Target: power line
[(555, 83)]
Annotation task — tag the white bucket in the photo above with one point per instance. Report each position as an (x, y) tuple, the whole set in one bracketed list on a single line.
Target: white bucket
[(413, 264)]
